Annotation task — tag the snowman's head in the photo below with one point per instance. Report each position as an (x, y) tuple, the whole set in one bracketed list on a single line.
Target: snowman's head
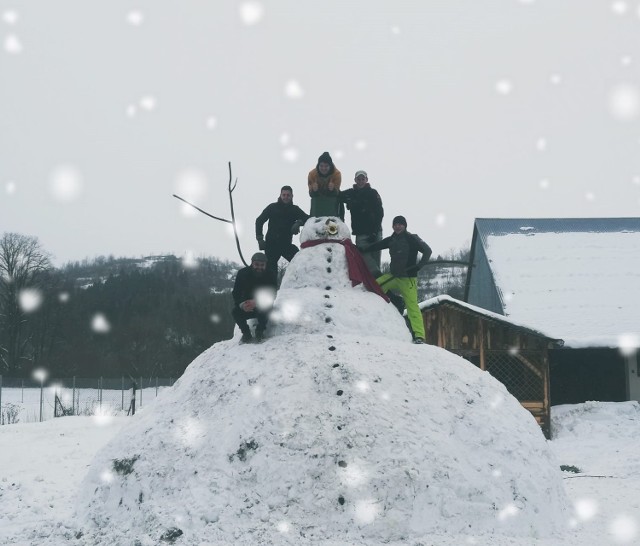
[(324, 227)]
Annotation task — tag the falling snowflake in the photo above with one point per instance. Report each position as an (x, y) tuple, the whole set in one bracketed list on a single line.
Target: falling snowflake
[(289, 313), (514, 351), (555, 79), (497, 401), (544, 183), (10, 187), (624, 529), (366, 511), (496, 473), (10, 17), (135, 18), (256, 391), (636, 180), (148, 103), (395, 29), (265, 298), (526, 1), (338, 154), (63, 297), (285, 139), (624, 102), (106, 476), (283, 527), (65, 183), (251, 13), (385, 396), (504, 87), (441, 219), (215, 318), (211, 122), (625, 60), (100, 324), (12, 44), (293, 90), (290, 155), (189, 432), (353, 475), (585, 509), (30, 299), (362, 386), (189, 260), (508, 512), (628, 344), (360, 145), (132, 110), (191, 184), (541, 144), (590, 196), (619, 7), (102, 417)]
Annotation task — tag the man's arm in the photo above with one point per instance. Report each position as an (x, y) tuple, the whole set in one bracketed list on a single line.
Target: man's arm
[(238, 288), (377, 207), (424, 249), (380, 245), (260, 221)]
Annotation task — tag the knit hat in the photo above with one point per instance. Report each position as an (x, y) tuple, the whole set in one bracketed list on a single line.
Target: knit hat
[(325, 158), (399, 220), (259, 257), (286, 188)]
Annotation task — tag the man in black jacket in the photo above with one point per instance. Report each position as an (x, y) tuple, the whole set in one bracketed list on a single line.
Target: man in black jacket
[(253, 295), (285, 219), (403, 250), (366, 217)]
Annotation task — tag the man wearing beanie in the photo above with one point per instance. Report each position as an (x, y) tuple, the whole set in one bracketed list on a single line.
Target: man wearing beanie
[(284, 219), (253, 295), (324, 188), (403, 250)]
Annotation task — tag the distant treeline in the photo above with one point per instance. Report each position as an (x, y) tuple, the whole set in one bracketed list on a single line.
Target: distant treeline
[(121, 316)]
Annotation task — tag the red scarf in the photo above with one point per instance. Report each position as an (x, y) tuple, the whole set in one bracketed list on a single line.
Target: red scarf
[(358, 270)]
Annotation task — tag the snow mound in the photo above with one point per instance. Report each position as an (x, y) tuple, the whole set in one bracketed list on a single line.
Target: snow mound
[(604, 419), (338, 432)]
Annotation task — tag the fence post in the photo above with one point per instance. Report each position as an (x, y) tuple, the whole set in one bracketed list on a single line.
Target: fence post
[(22, 399), (132, 408), (100, 392), (73, 399), (140, 391), (122, 408), (1, 414)]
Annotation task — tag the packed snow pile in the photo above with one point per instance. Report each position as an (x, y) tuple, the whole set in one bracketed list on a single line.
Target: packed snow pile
[(337, 431)]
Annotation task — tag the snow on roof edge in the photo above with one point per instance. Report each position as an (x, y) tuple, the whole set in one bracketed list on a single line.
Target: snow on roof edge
[(444, 298)]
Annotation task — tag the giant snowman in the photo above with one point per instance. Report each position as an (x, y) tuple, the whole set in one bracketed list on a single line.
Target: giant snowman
[(335, 430)]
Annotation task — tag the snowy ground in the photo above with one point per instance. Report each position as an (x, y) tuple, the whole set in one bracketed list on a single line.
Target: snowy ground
[(42, 465)]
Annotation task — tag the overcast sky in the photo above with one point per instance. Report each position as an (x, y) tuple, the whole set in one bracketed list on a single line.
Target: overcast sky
[(456, 109)]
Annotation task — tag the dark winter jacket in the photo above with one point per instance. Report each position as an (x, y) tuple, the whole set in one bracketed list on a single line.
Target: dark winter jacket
[(366, 209), (281, 218), (247, 281), (403, 250)]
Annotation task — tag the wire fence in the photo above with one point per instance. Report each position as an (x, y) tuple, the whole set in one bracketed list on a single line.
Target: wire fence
[(30, 400)]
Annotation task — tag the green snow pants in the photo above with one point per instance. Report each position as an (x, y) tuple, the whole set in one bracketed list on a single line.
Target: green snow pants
[(408, 288)]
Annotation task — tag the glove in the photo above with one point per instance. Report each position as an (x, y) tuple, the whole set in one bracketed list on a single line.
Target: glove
[(413, 271), (261, 244)]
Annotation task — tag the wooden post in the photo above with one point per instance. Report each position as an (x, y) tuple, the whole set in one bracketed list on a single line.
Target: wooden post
[(483, 364)]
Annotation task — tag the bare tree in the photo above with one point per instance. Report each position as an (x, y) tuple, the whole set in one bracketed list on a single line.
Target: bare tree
[(22, 264)]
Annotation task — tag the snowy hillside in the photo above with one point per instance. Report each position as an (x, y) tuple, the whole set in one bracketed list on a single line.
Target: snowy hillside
[(336, 431)]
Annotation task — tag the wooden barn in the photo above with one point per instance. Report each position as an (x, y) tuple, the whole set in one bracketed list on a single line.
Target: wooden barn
[(572, 278), (515, 355)]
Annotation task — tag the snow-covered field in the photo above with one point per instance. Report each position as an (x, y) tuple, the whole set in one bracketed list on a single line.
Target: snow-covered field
[(42, 465)]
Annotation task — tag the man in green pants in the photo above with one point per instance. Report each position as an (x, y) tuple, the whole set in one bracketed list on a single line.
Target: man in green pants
[(403, 250)]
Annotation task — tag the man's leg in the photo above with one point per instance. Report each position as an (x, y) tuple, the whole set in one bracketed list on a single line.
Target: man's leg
[(273, 255), (388, 282), (240, 317), (262, 325), (289, 252), (372, 259), (409, 289)]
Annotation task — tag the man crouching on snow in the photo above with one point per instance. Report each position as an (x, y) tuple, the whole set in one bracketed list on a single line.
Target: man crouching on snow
[(253, 295)]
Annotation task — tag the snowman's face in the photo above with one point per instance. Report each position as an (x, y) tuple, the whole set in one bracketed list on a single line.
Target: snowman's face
[(324, 227)]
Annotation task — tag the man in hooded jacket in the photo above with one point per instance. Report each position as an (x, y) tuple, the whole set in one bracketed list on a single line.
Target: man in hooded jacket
[(284, 219), (403, 250)]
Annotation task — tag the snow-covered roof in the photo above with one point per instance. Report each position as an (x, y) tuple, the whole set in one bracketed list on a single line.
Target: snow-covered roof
[(573, 278), (489, 315)]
